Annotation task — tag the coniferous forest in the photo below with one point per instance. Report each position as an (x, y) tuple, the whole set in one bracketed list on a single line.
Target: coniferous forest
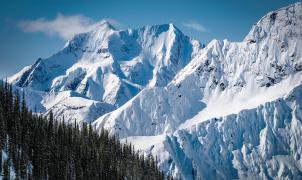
[(37, 147)]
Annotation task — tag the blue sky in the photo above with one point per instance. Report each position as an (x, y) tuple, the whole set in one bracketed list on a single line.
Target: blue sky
[(30, 29)]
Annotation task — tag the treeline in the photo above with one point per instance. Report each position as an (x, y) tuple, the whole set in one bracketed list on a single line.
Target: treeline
[(37, 147)]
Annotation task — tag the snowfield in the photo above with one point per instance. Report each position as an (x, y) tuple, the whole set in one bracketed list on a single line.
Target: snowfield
[(228, 110)]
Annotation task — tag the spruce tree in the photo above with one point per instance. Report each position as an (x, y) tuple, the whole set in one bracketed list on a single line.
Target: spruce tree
[(42, 147), (6, 171)]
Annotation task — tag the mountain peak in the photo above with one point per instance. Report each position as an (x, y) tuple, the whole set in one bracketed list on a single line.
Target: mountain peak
[(104, 25), (172, 26), (277, 22), (162, 27)]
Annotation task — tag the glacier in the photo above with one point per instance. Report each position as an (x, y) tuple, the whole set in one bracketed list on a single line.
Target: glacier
[(227, 110)]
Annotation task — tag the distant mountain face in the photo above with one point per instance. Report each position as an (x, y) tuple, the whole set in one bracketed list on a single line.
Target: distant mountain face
[(108, 66), (229, 110), (112, 66)]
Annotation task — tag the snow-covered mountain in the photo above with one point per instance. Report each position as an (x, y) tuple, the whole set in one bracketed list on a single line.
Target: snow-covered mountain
[(107, 66), (224, 78), (190, 120), (229, 110)]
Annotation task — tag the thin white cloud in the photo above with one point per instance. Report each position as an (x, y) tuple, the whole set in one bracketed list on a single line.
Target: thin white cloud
[(63, 26), (195, 26)]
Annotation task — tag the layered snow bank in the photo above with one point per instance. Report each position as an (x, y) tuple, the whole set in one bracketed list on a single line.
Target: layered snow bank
[(225, 102), (259, 143)]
